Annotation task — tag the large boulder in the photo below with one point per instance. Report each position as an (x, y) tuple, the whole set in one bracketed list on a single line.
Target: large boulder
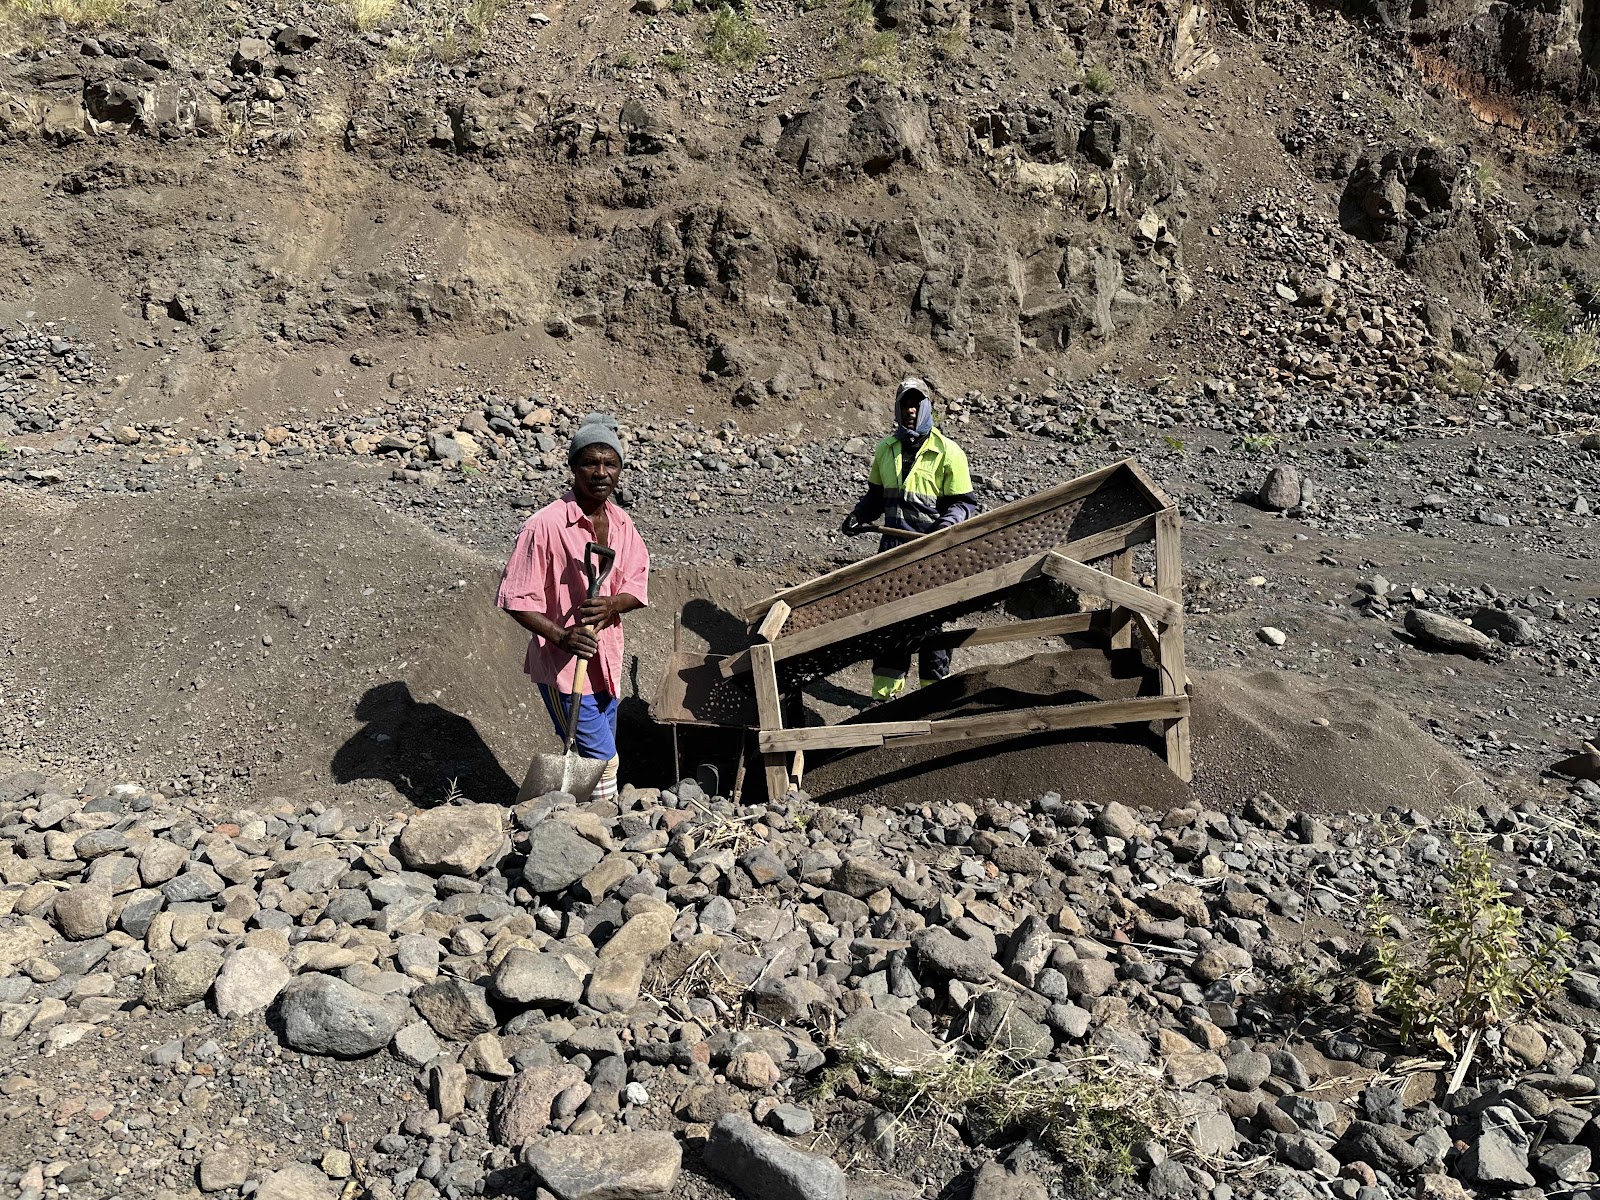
[(250, 981), (558, 856), (324, 1015), (763, 1165), (452, 840), (609, 1166)]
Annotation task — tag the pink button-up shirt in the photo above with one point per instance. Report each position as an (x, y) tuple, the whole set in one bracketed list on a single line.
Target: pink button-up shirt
[(545, 575)]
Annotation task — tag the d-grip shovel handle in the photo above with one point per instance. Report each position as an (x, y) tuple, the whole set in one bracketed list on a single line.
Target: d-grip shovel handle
[(607, 558)]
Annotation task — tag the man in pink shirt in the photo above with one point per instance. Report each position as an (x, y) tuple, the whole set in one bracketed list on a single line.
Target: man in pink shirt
[(545, 590)]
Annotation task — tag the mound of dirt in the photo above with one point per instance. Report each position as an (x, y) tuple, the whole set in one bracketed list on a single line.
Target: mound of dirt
[(1316, 748), (291, 639)]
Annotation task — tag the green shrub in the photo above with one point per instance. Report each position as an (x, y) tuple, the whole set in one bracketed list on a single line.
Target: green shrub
[(675, 61), (1473, 965), (1098, 79), (1258, 443), (733, 39)]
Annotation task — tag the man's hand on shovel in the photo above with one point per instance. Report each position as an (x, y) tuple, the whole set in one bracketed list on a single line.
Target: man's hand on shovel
[(579, 642), (599, 612)]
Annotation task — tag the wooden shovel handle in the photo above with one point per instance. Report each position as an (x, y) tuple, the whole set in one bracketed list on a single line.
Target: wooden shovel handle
[(580, 676)]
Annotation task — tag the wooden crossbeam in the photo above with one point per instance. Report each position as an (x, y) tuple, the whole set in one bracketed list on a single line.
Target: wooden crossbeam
[(1042, 719), (1013, 631), (837, 737), (970, 530), (1085, 578), (772, 624), (915, 605)]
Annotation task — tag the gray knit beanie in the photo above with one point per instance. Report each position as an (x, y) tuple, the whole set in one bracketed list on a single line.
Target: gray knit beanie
[(597, 429)]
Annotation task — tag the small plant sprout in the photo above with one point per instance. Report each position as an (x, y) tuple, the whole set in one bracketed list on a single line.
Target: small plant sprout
[(1473, 966)]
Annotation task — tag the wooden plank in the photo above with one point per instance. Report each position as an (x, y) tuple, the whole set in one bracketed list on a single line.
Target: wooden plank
[(1087, 579), (1174, 677), (903, 609), (1122, 568), (969, 530), (1146, 631), (1148, 485), (1047, 719), (1013, 631), (770, 707), (837, 737), (797, 776), (772, 624)]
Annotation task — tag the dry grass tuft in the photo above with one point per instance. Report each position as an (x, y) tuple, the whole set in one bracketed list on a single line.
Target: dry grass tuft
[(79, 14), (367, 15), (1091, 1112)]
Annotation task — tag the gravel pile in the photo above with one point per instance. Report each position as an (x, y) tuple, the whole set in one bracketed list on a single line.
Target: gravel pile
[(579, 997)]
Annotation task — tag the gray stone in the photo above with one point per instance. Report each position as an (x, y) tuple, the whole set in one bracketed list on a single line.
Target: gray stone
[(182, 979), (996, 1021), (1565, 1163), (224, 1169), (1498, 1157), (1446, 633), (199, 882), (99, 842), (1248, 1070), (558, 856), (452, 840), (1496, 623), (889, 1037), (1089, 978), (528, 977), (1380, 1146), (955, 957), (139, 908), (1212, 1135), (250, 981), (324, 1015), (457, 1010), (762, 1164), (82, 912), (792, 1120), (607, 1166), (415, 1044), (1280, 491)]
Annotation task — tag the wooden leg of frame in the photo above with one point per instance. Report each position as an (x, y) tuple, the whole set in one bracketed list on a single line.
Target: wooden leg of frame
[(1174, 678), (769, 707), (798, 773), (1121, 631)]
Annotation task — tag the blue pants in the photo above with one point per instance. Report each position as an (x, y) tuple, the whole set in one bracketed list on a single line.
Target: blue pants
[(597, 721)]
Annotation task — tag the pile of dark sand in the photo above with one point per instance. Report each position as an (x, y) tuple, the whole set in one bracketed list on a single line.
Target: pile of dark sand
[(1252, 732)]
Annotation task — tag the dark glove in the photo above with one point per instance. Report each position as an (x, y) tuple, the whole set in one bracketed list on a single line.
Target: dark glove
[(853, 525)]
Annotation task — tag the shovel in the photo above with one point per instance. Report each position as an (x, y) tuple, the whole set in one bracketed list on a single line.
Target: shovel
[(569, 772)]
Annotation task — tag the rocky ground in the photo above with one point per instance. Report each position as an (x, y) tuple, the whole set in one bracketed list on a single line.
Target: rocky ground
[(634, 999), (301, 305)]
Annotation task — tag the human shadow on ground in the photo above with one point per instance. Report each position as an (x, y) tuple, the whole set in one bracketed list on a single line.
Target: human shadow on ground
[(423, 750), (722, 631)]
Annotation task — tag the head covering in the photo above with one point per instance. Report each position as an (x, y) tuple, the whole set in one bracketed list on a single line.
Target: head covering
[(597, 429), (924, 423)]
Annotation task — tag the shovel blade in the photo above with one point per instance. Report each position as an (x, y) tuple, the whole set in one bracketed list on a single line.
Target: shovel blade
[(568, 773)]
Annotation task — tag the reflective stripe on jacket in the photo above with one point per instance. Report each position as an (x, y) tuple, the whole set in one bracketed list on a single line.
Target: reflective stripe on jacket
[(938, 470)]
